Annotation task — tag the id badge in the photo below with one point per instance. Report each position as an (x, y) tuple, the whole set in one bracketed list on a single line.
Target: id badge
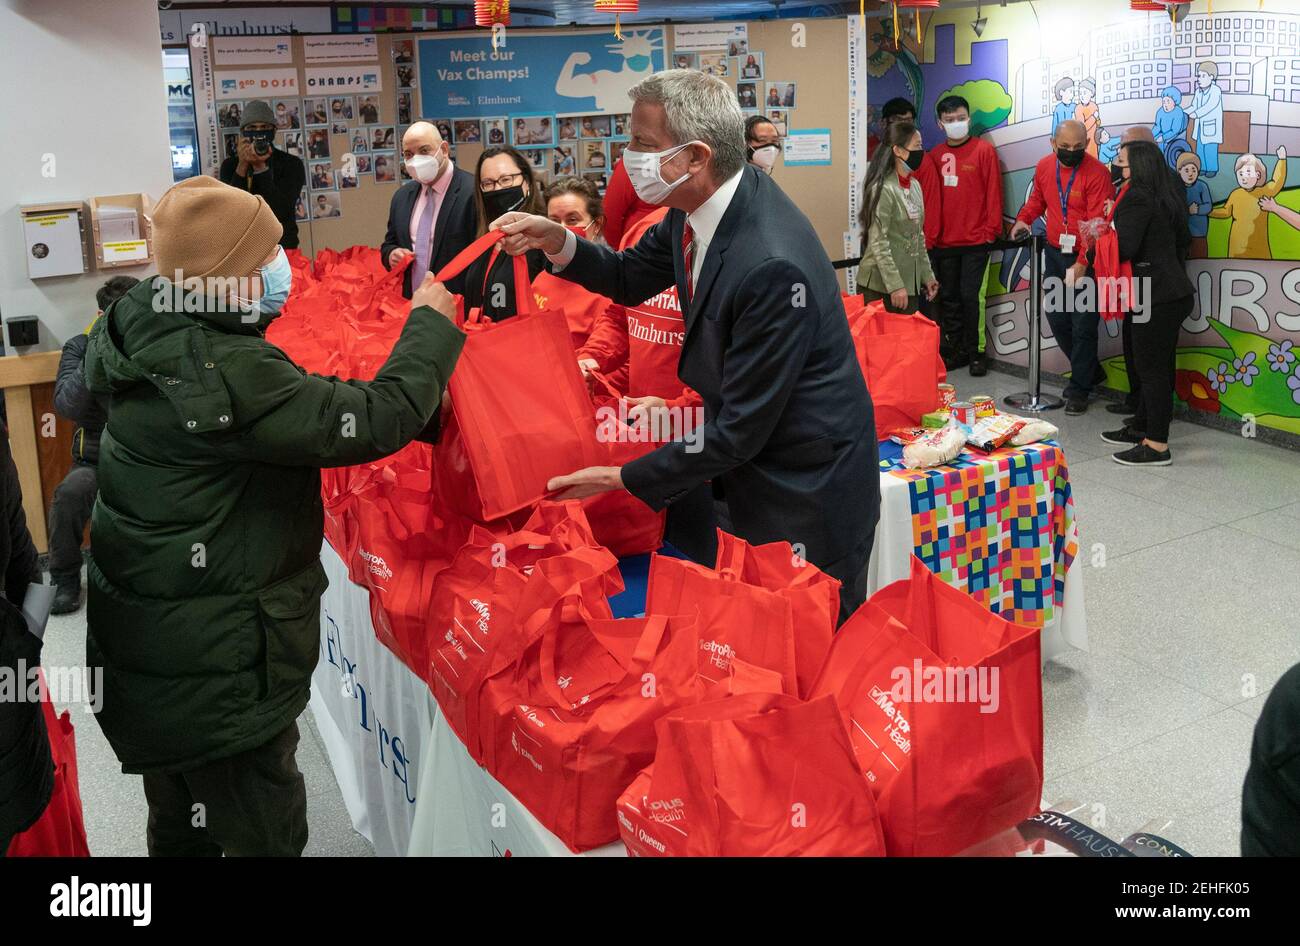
[(1067, 242)]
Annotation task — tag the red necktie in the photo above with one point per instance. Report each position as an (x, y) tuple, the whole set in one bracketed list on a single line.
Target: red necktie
[(688, 256)]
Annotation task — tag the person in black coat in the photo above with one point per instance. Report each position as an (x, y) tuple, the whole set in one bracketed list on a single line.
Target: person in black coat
[(504, 181), (788, 437), (1270, 796), (74, 497), (436, 178), (263, 169), (1151, 223), (26, 769)]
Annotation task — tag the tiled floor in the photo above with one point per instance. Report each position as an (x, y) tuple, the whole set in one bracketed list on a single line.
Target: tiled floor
[(1192, 601)]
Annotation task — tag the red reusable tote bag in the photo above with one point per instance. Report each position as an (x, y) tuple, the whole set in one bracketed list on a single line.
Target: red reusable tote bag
[(736, 619), (814, 596), (943, 703), (622, 523), (522, 413), (61, 829), (756, 775), (899, 356), (574, 717), (495, 584)]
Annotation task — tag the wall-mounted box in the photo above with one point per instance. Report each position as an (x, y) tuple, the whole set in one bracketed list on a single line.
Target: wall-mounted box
[(23, 331), (54, 239), (121, 229)]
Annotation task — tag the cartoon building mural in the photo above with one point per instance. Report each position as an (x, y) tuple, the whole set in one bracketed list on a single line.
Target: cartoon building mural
[(1221, 94)]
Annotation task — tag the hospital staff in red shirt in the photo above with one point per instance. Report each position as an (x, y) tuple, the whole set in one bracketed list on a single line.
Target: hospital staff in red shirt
[(1073, 188), (962, 183)]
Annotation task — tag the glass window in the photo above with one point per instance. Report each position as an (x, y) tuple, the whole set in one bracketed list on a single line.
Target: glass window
[(181, 128)]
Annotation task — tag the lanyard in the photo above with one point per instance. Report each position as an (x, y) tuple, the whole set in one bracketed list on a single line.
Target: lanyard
[(1064, 193)]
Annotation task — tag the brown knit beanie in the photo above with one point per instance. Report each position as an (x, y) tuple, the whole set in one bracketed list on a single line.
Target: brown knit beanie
[(203, 228)]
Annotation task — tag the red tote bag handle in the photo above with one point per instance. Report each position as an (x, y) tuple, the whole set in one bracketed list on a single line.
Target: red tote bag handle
[(646, 648), (461, 261)]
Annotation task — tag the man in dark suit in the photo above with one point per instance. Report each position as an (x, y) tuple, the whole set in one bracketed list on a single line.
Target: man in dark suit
[(788, 437), (432, 216)]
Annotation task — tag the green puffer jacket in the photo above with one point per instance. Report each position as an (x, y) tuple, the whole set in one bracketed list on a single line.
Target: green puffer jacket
[(205, 585)]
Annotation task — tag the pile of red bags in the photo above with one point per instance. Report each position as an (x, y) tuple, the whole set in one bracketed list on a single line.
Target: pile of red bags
[(730, 719)]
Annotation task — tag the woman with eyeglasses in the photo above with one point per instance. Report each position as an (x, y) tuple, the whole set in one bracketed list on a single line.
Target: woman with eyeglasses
[(505, 182)]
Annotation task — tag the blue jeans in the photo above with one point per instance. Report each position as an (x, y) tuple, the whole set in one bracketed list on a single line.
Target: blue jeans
[(1209, 155), (1075, 332)]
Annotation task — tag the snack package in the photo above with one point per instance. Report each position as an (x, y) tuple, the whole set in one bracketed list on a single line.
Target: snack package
[(935, 419), (1033, 432), (905, 435), (989, 433), (935, 448)]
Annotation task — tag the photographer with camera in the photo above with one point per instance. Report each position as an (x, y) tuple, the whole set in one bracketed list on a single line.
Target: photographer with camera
[(263, 169)]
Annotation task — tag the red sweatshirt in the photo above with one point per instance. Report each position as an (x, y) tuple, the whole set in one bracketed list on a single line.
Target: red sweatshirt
[(1092, 188), (645, 340), (963, 194)]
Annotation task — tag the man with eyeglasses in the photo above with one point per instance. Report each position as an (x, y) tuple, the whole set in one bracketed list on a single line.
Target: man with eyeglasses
[(432, 217)]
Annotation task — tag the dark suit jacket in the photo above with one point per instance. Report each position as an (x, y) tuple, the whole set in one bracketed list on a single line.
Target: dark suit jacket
[(789, 432), (1155, 244), (455, 228)]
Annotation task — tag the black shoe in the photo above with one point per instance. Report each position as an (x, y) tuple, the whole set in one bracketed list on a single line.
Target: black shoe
[(1143, 455), (978, 366), (1131, 422), (1120, 407), (1076, 406), (1125, 435), (67, 593), (954, 361)]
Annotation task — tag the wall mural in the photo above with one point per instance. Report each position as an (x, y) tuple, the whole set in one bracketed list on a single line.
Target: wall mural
[(1220, 92)]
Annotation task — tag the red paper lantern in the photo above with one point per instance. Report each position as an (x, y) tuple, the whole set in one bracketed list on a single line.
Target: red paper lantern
[(617, 7), (1146, 6), (491, 12)]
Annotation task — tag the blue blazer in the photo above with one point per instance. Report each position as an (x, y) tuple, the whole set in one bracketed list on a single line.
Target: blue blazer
[(789, 434)]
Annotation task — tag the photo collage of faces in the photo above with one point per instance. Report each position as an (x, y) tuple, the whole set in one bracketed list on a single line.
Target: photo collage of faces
[(342, 139), (755, 92)]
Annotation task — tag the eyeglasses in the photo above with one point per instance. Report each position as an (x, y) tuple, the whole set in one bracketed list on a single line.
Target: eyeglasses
[(506, 180)]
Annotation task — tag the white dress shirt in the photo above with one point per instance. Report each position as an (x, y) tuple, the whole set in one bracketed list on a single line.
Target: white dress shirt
[(704, 220)]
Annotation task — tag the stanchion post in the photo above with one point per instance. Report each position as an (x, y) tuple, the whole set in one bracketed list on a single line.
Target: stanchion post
[(1034, 400)]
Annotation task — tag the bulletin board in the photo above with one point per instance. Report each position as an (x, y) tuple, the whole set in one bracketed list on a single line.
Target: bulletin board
[(803, 54)]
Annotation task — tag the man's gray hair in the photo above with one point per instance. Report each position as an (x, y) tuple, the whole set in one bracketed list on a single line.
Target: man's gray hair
[(699, 107)]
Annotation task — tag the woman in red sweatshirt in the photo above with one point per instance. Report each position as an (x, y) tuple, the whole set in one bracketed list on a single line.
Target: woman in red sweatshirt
[(638, 347)]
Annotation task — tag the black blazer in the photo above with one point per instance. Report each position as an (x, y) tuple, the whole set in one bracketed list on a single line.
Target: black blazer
[(1155, 244), (789, 432), (502, 275), (455, 228)]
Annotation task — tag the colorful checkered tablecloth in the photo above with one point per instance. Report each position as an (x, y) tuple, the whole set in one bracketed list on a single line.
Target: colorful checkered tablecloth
[(1000, 526)]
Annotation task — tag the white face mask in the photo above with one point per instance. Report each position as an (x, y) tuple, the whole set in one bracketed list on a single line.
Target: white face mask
[(644, 168), (424, 167), (764, 157), (956, 131)]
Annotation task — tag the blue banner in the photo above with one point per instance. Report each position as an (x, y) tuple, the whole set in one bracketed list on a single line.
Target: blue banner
[(463, 77)]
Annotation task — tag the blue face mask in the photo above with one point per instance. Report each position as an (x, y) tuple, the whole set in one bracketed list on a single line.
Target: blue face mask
[(277, 279), (638, 63)]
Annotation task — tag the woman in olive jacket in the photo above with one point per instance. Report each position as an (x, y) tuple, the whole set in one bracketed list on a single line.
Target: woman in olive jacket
[(895, 266)]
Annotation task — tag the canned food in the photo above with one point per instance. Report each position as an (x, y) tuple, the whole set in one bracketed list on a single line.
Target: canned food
[(963, 412), (984, 406), (947, 394)]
